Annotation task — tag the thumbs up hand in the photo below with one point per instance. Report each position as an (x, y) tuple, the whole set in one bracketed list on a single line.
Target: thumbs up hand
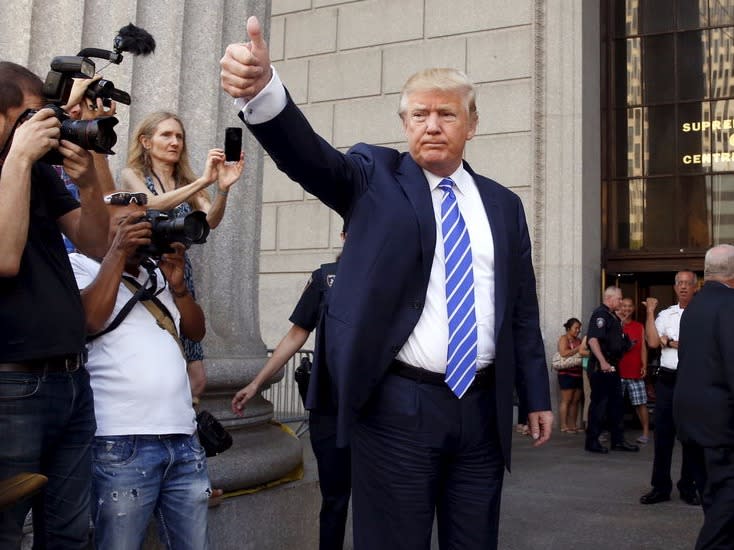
[(246, 67)]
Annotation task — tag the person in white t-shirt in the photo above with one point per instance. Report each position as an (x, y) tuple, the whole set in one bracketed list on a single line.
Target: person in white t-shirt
[(147, 458), (663, 333)]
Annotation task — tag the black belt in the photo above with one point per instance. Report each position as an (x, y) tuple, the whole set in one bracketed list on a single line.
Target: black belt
[(61, 363), (483, 377), (670, 374)]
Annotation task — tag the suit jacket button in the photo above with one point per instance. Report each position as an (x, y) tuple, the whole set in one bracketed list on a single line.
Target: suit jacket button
[(395, 349), (417, 305)]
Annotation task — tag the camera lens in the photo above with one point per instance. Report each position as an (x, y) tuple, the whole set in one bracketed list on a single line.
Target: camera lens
[(97, 135), (194, 229)]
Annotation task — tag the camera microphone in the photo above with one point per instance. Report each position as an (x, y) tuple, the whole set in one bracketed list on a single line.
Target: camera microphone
[(135, 40)]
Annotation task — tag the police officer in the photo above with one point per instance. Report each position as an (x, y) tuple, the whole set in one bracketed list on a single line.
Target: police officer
[(334, 464), (607, 343)]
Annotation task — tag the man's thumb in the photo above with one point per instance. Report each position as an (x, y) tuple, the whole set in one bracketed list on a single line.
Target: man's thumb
[(254, 31)]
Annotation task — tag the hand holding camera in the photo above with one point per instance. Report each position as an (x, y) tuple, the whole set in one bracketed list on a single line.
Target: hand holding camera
[(78, 164), (172, 267), (132, 232), (36, 136)]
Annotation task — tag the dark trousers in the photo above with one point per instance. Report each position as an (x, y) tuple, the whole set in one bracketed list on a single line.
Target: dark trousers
[(718, 500), (691, 467), (419, 452), (335, 480), (606, 402), (48, 425)]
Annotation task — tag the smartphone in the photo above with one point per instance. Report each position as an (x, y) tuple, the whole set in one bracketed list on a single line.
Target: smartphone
[(232, 144), (124, 198)]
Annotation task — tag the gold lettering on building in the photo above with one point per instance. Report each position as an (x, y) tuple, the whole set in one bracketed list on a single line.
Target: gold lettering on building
[(713, 158), (705, 125)]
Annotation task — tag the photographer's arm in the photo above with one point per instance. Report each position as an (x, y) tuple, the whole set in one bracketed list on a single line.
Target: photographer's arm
[(286, 348), (88, 226), (192, 324), (15, 186), (31, 141), (651, 331), (101, 164), (100, 296)]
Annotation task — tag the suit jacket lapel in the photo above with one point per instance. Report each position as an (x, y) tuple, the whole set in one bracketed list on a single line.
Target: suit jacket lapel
[(414, 184), (497, 225)]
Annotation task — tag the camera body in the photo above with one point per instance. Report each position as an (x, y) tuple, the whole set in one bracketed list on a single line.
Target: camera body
[(94, 135), (189, 229)]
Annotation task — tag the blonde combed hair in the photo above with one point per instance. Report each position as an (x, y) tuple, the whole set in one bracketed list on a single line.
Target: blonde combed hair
[(138, 158), (444, 80)]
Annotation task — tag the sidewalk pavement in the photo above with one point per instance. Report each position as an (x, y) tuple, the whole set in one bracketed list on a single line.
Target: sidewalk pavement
[(561, 497)]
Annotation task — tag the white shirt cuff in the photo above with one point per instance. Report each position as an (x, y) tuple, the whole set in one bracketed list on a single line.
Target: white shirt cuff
[(266, 105)]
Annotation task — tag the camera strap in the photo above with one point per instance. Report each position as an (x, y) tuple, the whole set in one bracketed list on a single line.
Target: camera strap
[(145, 296), (157, 309)]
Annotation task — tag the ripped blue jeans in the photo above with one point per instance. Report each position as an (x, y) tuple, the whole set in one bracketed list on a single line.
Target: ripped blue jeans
[(138, 476)]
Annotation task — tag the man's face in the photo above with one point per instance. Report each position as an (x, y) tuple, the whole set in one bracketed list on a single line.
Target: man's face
[(626, 309), (613, 301), (437, 125), (684, 286)]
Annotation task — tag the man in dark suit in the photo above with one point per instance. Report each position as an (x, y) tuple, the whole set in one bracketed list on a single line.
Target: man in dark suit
[(703, 402), (423, 380)]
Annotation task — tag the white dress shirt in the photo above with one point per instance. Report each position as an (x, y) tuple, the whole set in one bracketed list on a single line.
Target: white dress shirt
[(427, 346)]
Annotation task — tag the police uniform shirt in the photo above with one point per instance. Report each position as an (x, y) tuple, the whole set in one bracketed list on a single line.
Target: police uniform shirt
[(308, 309), (606, 327)]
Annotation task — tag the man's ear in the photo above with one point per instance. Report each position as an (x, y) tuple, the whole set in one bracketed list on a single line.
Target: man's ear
[(474, 121)]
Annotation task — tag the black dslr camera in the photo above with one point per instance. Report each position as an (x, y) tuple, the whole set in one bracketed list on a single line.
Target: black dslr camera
[(189, 229)]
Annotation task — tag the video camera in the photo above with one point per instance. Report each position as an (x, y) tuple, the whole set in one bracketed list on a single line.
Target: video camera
[(98, 134)]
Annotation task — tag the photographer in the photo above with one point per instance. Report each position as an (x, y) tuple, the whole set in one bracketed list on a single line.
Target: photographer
[(46, 408), (147, 457)]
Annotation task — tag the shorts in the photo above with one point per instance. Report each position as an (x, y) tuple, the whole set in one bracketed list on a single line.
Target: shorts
[(635, 387), (570, 382)]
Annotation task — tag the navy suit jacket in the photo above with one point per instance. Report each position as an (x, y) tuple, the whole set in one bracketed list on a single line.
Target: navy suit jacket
[(703, 402), (384, 269)]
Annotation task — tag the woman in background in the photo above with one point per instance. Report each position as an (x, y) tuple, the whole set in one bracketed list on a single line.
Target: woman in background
[(569, 379)]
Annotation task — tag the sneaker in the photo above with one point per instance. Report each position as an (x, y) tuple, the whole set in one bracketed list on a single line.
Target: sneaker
[(642, 440)]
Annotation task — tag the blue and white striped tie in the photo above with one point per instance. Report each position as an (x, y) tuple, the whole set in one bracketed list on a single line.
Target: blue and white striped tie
[(462, 353)]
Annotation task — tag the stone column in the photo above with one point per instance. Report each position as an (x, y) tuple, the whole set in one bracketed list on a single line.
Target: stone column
[(226, 269)]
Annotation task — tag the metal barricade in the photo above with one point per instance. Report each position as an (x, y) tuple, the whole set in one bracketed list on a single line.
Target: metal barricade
[(287, 404)]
